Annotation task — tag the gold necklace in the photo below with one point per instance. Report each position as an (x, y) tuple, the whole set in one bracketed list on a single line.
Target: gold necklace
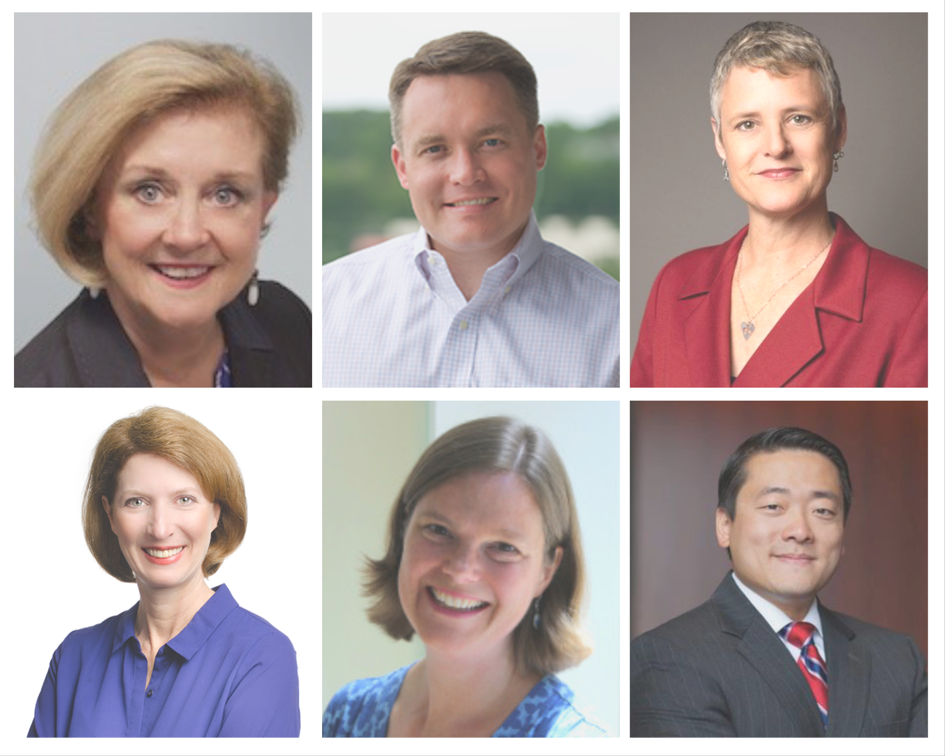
[(748, 327)]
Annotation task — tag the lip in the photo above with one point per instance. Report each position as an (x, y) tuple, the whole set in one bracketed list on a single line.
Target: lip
[(779, 174), (182, 283), (481, 203), (794, 558), (449, 611), (164, 560)]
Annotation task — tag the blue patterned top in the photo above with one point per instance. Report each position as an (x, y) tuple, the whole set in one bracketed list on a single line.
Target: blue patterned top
[(362, 710)]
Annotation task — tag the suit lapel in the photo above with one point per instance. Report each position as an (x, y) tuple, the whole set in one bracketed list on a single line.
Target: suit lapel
[(706, 328), (848, 677), (763, 650)]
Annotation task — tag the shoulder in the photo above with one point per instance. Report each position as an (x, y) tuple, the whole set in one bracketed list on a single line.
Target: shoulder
[(278, 304), (259, 638), (550, 710), (563, 261), (705, 259), (888, 643), (47, 359), (362, 708), (366, 270), (92, 642), (893, 273), (694, 636)]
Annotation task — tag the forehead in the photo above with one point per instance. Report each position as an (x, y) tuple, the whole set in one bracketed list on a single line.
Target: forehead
[(792, 469), (226, 135), (748, 87), (485, 498), (453, 102), (149, 469)]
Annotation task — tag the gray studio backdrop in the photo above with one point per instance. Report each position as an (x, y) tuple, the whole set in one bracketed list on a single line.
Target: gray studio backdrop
[(678, 200), (55, 52)]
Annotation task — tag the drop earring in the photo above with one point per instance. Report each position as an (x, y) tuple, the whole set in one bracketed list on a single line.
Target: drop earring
[(724, 168), (536, 619), (252, 291), (95, 291), (836, 160)]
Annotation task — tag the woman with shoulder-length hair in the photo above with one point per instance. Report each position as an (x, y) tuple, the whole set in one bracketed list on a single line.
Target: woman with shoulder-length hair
[(151, 187), (484, 563), (164, 506), (795, 298)]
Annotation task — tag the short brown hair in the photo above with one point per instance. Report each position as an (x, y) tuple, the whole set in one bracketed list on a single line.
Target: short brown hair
[(131, 89), (180, 439), (466, 53), (498, 444)]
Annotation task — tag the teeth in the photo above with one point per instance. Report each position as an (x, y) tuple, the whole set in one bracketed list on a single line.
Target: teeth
[(453, 602), (163, 554), (172, 271), (483, 201)]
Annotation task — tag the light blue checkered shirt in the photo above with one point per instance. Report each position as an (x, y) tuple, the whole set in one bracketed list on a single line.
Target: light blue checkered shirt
[(393, 316)]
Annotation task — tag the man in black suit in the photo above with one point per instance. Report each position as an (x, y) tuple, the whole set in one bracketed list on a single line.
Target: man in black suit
[(763, 657)]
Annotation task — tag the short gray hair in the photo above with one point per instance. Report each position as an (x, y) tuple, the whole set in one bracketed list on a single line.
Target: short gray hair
[(781, 49)]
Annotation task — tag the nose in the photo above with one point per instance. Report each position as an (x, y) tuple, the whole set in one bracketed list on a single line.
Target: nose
[(778, 144), (159, 523), (465, 168), (186, 230), (462, 564), (798, 529)]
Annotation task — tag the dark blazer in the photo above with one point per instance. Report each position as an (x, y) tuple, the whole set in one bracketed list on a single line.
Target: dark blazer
[(269, 344), (721, 671), (863, 321)]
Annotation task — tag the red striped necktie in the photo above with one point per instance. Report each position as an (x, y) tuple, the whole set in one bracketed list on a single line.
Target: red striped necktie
[(801, 635)]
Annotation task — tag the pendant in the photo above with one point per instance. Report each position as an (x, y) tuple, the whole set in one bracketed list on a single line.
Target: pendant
[(747, 329)]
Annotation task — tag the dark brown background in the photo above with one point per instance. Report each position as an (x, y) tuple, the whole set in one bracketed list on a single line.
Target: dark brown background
[(677, 450)]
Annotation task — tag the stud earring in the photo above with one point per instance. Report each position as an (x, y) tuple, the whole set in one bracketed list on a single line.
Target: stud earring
[(725, 168), (252, 291), (836, 160), (94, 291), (536, 620)]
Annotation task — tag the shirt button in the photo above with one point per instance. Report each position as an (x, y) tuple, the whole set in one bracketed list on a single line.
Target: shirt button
[(463, 325), (149, 693), (507, 289)]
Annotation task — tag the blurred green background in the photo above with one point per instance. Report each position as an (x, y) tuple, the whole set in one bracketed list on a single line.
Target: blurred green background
[(577, 203)]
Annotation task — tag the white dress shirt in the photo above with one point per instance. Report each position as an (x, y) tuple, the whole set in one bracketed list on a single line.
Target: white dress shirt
[(392, 315), (778, 619)]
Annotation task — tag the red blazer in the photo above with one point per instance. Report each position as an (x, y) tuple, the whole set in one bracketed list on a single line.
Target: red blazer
[(863, 321)]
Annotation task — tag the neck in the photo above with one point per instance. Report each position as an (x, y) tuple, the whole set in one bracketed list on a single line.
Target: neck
[(164, 612), (469, 695), (468, 268), (775, 243), (172, 356)]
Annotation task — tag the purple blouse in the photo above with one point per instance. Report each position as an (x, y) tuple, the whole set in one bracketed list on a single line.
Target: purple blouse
[(228, 673)]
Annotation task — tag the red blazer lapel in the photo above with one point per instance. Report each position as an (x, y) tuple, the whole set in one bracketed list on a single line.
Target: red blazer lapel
[(838, 289), (708, 349)]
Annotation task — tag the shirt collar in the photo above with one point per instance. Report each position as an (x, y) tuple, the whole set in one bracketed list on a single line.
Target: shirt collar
[(516, 263), (774, 616), (189, 640)]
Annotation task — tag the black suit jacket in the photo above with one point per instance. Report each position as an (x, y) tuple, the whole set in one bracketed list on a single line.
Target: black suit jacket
[(269, 344), (720, 670)]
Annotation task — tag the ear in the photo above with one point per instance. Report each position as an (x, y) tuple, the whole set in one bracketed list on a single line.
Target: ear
[(549, 569), (216, 516), (108, 512), (400, 165), (719, 147), (541, 147), (269, 199), (723, 528), (841, 128)]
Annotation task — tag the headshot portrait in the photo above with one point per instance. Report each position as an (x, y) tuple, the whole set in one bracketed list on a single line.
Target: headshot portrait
[(482, 600), (471, 233), (780, 140), (161, 605), (163, 200), (779, 588)]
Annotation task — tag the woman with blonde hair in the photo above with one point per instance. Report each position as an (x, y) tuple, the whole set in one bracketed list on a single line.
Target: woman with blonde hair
[(484, 563), (164, 506), (151, 187)]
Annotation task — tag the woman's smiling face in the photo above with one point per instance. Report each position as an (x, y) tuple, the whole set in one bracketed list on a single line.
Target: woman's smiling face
[(179, 215), (474, 561)]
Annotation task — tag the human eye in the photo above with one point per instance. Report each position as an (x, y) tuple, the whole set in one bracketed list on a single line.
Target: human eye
[(187, 500), (436, 531), (825, 512), (505, 552), (799, 119), (227, 196), (148, 192), (492, 142), (433, 149), (135, 503), (746, 126)]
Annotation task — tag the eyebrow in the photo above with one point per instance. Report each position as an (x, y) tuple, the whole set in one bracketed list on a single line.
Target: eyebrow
[(509, 533), (809, 108), (150, 170), (494, 128), (816, 494)]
